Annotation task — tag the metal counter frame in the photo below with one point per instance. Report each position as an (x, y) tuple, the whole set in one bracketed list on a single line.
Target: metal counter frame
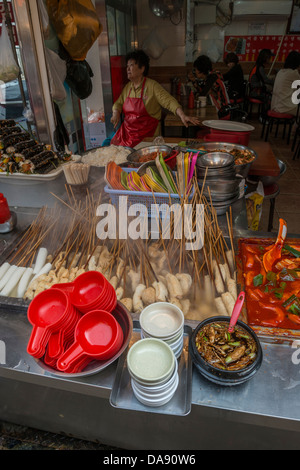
[(263, 413)]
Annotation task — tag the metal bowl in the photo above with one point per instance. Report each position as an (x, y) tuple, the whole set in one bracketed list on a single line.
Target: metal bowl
[(243, 169), (219, 197), (145, 151), (215, 160), (222, 185), (268, 180), (124, 318), (228, 172)]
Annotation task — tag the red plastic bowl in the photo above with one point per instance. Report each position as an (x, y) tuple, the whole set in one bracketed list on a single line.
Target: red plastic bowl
[(89, 288), (97, 334), (47, 312), (221, 136)]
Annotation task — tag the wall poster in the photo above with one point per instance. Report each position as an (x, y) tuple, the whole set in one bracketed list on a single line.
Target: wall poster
[(248, 47)]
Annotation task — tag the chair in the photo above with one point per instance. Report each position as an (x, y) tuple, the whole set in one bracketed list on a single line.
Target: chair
[(250, 101), (272, 117)]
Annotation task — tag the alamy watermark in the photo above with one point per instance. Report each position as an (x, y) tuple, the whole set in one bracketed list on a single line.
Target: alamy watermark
[(137, 221), (2, 352), (296, 94)]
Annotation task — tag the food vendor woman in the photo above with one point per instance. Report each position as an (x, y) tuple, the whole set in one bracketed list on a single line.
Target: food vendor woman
[(141, 102)]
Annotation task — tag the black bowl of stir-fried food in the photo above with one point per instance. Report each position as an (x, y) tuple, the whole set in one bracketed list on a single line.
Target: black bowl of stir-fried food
[(222, 357)]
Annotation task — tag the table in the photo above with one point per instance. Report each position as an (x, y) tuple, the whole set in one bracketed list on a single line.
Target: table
[(207, 113), (266, 163)]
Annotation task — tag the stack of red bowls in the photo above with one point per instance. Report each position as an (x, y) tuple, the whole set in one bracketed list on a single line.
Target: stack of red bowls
[(57, 313), (91, 290)]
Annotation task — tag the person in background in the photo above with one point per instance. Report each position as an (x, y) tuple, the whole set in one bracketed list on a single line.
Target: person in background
[(282, 91), (141, 102), (260, 83), (234, 78), (211, 83)]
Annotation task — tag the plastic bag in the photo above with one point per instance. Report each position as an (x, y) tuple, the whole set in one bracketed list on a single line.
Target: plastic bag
[(76, 24), (9, 69), (57, 71), (44, 18), (79, 74), (254, 203)]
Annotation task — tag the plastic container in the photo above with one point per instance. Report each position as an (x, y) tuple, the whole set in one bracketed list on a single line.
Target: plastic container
[(145, 200), (219, 376), (4, 210), (225, 136), (233, 139)]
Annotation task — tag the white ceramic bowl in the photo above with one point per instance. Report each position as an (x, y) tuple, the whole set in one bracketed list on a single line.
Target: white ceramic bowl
[(157, 388), (161, 320), (156, 395), (157, 401), (171, 341), (175, 344), (150, 361)]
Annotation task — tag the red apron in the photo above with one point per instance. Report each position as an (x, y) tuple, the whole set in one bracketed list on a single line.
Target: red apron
[(137, 123)]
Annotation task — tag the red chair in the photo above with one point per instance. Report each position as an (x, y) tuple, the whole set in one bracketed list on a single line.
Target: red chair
[(254, 101), (273, 117)]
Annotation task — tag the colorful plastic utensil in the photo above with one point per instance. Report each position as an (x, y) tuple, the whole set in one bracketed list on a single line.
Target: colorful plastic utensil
[(192, 167), (46, 312), (236, 311), (97, 334), (274, 253)]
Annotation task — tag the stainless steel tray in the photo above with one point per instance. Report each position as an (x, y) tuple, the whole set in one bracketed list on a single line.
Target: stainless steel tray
[(122, 395)]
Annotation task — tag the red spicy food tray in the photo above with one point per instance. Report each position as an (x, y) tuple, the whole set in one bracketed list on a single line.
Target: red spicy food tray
[(272, 303)]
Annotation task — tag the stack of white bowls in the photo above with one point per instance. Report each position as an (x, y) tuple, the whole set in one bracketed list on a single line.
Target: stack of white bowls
[(165, 321), (154, 371)]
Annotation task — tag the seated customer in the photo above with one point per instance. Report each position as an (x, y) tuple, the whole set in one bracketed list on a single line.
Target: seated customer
[(260, 83), (282, 90), (234, 78), (212, 83)]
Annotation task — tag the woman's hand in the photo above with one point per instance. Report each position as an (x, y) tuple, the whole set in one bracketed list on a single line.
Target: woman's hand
[(115, 119), (187, 119)]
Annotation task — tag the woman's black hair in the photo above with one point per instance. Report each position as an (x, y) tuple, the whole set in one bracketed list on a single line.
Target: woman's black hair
[(292, 61), (231, 57), (141, 58), (263, 57), (203, 64)]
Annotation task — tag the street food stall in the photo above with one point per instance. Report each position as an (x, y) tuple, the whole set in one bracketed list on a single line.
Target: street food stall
[(136, 307), (101, 399)]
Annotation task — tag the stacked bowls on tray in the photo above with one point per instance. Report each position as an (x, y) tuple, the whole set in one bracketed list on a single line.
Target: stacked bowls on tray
[(154, 371), (216, 174), (164, 321)]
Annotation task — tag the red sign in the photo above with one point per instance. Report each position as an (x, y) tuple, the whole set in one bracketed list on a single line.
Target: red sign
[(248, 47), (2, 11)]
